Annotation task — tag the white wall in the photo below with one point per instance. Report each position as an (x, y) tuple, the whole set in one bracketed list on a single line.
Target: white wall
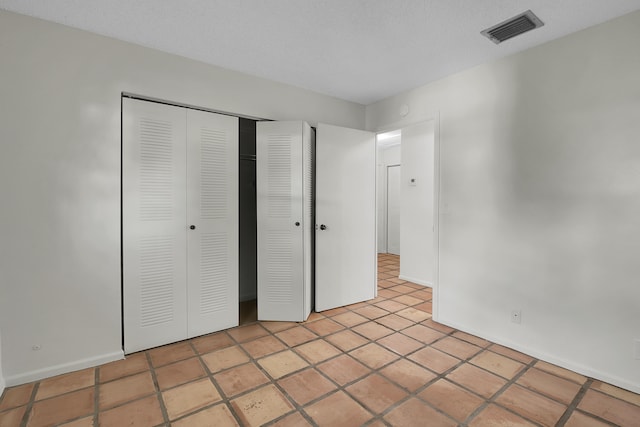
[(416, 224), (540, 198), (60, 178), (387, 155)]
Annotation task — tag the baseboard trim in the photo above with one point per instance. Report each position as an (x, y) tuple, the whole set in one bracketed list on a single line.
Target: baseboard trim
[(2, 384), (549, 358), (416, 281), (51, 371)]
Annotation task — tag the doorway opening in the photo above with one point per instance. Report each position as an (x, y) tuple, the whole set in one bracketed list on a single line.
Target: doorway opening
[(407, 200)]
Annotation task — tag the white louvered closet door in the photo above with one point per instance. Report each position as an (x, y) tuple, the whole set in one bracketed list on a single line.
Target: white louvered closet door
[(212, 215), (154, 217), (280, 192)]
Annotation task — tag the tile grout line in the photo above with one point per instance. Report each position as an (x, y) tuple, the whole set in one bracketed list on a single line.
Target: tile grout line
[(499, 392), (158, 393), (27, 412), (574, 403), (96, 397)]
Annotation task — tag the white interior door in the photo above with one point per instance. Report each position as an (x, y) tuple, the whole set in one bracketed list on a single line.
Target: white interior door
[(212, 217), (393, 209), (346, 216), (280, 191), (153, 222)]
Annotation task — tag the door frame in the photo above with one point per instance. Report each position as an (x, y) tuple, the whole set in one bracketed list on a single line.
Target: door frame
[(435, 117), (386, 200)]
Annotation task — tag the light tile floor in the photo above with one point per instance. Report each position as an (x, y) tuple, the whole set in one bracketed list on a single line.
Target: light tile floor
[(383, 362)]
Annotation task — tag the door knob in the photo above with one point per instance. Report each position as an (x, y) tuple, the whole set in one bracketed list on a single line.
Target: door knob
[(297, 223), (323, 227), (193, 227)]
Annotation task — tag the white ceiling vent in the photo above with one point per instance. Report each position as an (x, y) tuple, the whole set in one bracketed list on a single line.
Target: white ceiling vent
[(512, 27)]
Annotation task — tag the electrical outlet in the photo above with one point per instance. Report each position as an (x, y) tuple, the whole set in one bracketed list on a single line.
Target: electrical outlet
[(636, 349), (516, 316)]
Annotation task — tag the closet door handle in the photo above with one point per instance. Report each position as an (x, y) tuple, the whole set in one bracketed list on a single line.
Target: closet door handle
[(192, 227), (323, 227), (297, 223)]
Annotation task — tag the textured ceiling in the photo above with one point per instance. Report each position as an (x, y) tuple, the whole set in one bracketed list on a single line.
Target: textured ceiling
[(358, 50)]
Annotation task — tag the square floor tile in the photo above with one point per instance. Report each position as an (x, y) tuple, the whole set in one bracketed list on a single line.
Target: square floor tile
[(240, 379), (458, 348), (248, 333), (171, 353), (343, 369), (296, 336), (471, 338), (190, 397), (423, 334), (143, 412), (212, 342), (373, 355), (338, 410), (16, 396), (324, 327), (515, 355), (132, 364), (372, 330), (307, 385), (403, 289), (82, 422), (376, 393), (317, 351), (408, 374), (263, 346), (63, 408), (531, 405), (261, 406), (406, 299), (293, 420), (578, 419), (225, 358), (561, 372), (12, 417), (401, 344), (609, 408), (477, 380), (371, 312), (66, 383), (390, 305), (216, 416), (451, 399), (350, 319), (549, 385), (125, 389), (434, 360), (346, 340), (498, 364), (274, 327), (395, 322), (415, 412), (179, 373), (616, 392), (280, 364), (493, 416), (438, 326), (414, 315)]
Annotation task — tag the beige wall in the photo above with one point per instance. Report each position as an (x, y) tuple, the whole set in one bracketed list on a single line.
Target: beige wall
[(60, 178), (540, 198)]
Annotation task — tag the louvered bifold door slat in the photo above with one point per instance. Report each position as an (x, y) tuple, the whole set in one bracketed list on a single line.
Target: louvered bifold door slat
[(279, 190), (212, 208), (153, 218)]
